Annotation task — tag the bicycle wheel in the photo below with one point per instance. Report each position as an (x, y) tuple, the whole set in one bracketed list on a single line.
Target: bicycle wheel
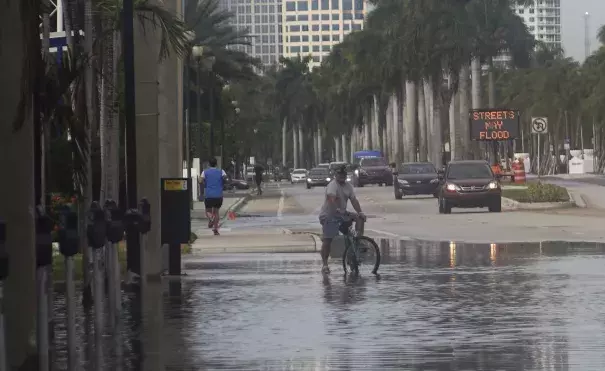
[(367, 254)]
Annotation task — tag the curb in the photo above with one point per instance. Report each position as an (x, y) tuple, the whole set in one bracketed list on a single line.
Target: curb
[(516, 205)]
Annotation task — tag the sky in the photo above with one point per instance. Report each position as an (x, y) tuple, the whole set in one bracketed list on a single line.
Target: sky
[(572, 23)]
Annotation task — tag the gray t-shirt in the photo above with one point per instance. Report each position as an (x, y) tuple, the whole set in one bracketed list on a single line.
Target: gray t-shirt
[(342, 192)]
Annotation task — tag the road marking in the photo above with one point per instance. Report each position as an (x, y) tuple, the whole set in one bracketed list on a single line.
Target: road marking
[(280, 206)]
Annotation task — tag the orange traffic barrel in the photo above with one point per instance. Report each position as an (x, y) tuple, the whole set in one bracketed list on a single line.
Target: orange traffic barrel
[(519, 173)]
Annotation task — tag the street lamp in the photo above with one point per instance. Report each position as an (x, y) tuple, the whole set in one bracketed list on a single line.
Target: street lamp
[(190, 37)]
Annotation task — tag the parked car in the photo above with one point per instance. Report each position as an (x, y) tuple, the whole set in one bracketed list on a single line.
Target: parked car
[(416, 178), (318, 176), (372, 170), (298, 176), (325, 165), (469, 184)]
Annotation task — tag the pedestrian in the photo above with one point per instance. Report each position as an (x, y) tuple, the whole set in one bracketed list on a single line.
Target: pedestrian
[(258, 178), (213, 180)]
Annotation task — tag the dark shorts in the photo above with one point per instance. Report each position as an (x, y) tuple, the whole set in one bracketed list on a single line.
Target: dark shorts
[(329, 227), (213, 203)]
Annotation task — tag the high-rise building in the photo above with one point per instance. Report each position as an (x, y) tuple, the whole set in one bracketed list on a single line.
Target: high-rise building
[(543, 19), (263, 19), (313, 27)]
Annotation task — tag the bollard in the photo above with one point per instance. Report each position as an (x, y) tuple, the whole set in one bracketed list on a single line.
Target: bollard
[(69, 241), (97, 232), (3, 276), (115, 234), (44, 257)]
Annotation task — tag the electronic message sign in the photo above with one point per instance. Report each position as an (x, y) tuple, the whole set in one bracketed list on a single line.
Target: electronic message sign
[(494, 124)]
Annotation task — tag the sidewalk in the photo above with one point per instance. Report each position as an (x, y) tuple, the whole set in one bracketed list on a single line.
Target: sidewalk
[(266, 240), (230, 201)]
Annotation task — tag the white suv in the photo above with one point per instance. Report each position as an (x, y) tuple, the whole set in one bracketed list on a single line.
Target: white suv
[(298, 176)]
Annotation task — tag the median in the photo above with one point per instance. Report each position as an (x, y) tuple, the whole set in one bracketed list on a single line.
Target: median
[(536, 196)]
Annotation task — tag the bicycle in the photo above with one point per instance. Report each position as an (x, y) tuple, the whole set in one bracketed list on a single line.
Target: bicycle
[(357, 247)]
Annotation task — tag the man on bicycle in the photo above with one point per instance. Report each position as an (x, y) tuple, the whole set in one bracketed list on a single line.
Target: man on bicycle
[(338, 193)]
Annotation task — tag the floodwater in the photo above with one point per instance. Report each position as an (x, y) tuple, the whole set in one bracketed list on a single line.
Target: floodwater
[(435, 306)]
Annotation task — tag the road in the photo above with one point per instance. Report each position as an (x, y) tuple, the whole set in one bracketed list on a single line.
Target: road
[(416, 217)]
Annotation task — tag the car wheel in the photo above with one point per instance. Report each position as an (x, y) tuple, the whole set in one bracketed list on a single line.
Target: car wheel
[(496, 206)]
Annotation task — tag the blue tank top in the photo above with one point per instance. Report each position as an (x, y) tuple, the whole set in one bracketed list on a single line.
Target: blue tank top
[(213, 180)]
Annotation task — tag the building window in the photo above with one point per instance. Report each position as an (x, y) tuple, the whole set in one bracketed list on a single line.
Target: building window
[(346, 26), (335, 27), (335, 5), (347, 4), (304, 28), (295, 39), (315, 27), (315, 38), (325, 27), (314, 4), (356, 27), (325, 4), (295, 49), (358, 15), (290, 6), (347, 16), (335, 16), (316, 58), (303, 17), (358, 4), (305, 49), (335, 37), (316, 48), (325, 17), (305, 38), (325, 37), (325, 48), (303, 5), (295, 28), (315, 17)]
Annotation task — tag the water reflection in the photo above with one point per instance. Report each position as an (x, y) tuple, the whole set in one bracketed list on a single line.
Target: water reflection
[(436, 306)]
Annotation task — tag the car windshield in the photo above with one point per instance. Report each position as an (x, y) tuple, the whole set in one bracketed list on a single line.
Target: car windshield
[(318, 171), (334, 165), (469, 171), (299, 171), (418, 169), (373, 161)]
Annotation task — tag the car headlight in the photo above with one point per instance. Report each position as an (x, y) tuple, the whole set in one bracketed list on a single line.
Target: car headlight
[(402, 181), (452, 187), (308, 179), (356, 171), (348, 179), (434, 181), (492, 185), (328, 179)]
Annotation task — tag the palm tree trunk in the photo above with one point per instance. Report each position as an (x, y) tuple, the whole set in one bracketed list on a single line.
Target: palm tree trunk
[(437, 103), (367, 144), (295, 147), (301, 146), (17, 196), (410, 122), (284, 140), (337, 149), (345, 153), (454, 125), (428, 97), (113, 127), (422, 124), (374, 121), (319, 145), (463, 134), (396, 126), (491, 84)]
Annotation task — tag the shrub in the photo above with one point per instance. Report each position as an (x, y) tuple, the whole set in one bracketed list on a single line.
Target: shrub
[(540, 192)]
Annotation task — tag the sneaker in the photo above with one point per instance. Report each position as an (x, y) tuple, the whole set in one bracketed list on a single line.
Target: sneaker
[(325, 269), (216, 232), (210, 223)]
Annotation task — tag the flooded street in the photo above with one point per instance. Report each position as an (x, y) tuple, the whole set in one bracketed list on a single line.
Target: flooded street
[(435, 306)]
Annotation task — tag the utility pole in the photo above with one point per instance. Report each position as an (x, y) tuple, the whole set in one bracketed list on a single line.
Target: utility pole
[(133, 239)]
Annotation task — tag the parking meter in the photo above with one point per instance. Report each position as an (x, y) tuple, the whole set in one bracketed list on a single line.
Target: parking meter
[(3, 253), (132, 221), (114, 216), (96, 230), (145, 210), (68, 236), (44, 239)]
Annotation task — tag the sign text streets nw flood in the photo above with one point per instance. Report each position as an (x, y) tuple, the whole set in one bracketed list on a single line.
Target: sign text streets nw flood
[(494, 124)]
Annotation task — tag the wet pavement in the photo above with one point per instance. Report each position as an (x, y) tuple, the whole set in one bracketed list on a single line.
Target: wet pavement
[(435, 306)]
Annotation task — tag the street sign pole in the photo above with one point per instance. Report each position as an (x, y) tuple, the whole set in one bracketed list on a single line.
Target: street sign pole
[(539, 155), (539, 126)]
